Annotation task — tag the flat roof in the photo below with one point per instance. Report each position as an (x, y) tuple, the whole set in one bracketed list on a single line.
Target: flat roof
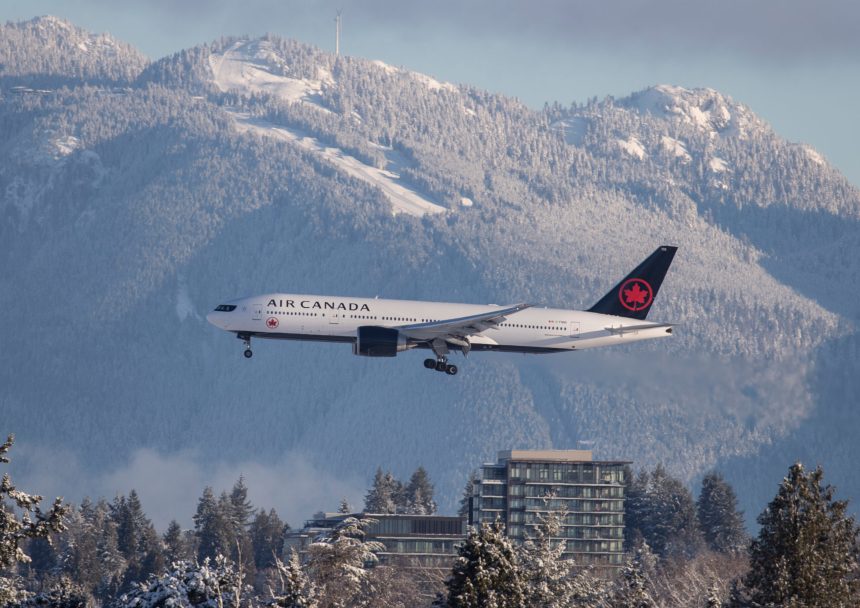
[(555, 455), (552, 456)]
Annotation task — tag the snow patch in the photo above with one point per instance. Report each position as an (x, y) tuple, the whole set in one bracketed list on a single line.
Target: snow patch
[(813, 155), (252, 66), (432, 83), (389, 69), (675, 148), (65, 145), (572, 129), (633, 147), (704, 109), (466, 201), (403, 198), (428, 81), (718, 165)]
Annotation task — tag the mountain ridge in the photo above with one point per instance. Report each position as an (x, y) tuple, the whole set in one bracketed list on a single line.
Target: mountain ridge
[(161, 206)]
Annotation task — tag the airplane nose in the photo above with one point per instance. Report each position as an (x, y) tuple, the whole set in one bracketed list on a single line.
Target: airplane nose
[(212, 317)]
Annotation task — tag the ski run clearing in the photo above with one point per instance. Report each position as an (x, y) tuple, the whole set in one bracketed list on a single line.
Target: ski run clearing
[(403, 199), (252, 66)]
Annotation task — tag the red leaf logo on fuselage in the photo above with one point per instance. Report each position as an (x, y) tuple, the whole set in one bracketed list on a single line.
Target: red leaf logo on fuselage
[(271, 322), (635, 294)]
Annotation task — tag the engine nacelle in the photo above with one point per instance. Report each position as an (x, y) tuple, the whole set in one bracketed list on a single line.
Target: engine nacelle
[(374, 341)]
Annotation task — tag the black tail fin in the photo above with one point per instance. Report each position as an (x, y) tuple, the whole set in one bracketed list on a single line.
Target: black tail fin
[(635, 294)]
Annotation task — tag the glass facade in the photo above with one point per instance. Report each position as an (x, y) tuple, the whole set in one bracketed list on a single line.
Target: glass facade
[(523, 487), (409, 540)]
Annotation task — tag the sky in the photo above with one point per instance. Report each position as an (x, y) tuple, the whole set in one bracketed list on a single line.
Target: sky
[(795, 63)]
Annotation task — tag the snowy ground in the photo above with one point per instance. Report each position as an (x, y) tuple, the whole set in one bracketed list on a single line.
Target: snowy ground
[(252, 66), (403, 199)]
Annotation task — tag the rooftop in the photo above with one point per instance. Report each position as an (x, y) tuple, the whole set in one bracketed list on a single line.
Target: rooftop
[(547, 455)]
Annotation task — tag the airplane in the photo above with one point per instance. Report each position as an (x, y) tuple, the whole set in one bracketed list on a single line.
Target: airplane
[(383, 328)]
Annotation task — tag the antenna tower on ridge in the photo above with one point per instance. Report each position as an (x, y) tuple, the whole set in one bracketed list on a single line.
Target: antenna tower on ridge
[(337, 26)]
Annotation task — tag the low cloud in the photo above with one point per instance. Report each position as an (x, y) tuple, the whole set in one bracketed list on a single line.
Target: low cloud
[(170, 484)]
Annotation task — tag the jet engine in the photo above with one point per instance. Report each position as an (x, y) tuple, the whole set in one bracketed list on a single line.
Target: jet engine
[(374, 341)]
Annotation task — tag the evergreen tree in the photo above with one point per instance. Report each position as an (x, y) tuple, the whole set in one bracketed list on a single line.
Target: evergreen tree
[(419, 493), (632, 589), (588, 590), (721, 523), (14, 531), (661, 510), (267, 538), (338, 562), (212, 584), (241, 508), (239, 511), (468, 490), (137, 540), (344, 507), (382, 494), (90, 550), (176, 546), (297, 590), (212, 527), (485, 573), (806, 552), (546, 575), (61, 594)]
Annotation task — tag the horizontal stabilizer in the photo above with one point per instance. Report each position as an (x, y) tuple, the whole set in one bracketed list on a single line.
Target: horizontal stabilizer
[(627, 329)]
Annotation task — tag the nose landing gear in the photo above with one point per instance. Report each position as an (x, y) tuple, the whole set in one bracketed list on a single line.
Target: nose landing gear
[(246, 340)]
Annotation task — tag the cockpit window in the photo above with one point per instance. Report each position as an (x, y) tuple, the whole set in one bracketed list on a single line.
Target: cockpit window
[(226, 308)]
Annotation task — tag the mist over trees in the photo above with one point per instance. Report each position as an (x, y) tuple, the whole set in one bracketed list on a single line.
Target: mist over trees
[(109, 554)]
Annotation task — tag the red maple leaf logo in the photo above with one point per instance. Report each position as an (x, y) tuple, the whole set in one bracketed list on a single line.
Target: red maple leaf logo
[(635, 294), (272, 322)]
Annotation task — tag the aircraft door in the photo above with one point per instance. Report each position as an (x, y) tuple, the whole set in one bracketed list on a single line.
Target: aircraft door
[(573, 328), (256, 311)]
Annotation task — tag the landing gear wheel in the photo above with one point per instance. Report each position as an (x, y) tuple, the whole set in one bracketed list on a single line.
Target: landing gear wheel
[(248, 353), (441, 366), (451, 370), (429, 363)]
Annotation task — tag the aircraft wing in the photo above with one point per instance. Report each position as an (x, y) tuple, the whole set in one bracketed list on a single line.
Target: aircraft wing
[(456, 330)]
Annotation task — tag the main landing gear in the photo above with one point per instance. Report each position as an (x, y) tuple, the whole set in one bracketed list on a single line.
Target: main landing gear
[(246, 340), (441, 365)]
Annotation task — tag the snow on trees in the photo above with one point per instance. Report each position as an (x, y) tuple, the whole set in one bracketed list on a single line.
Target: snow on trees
[(806, 552), (32, 523), (390, 495), (486, 572), (215, 584), (338, 561), (296, 588)]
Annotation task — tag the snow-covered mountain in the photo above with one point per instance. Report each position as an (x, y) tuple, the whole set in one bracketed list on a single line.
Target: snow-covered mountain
[(136, 198), (62, 51)]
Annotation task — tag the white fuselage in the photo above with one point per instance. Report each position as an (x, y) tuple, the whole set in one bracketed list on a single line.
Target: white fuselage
[(337, 319)]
